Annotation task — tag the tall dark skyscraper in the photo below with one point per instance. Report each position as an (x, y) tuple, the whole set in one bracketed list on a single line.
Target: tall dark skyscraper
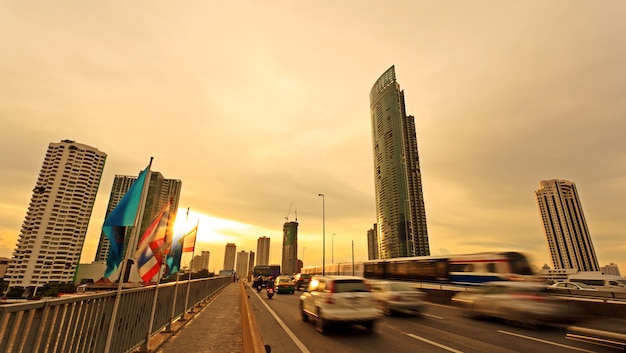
[(290, 248), (400, 211)]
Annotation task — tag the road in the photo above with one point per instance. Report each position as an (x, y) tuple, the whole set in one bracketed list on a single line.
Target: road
[(441, 329)]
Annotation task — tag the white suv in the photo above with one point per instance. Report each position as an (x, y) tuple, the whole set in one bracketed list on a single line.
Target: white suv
[(332, 299)]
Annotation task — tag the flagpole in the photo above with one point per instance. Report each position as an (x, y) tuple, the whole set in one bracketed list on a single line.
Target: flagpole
[(189, 280), (146, 346), (132, 240)]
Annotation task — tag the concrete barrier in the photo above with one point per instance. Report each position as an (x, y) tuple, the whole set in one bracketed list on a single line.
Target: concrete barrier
[(252, 341)]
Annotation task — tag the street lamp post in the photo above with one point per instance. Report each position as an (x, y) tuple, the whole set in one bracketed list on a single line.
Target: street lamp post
[(323, 237), (332, 249)]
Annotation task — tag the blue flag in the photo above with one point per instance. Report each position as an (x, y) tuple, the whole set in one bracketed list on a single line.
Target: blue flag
[(122, 216), (172, 261)]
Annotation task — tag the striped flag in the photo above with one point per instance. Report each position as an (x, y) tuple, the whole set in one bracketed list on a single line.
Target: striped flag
[(183, 244), (189, 241), (150, 250)]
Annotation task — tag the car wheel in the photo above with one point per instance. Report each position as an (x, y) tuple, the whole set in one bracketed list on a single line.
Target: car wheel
[(303, 314), (386, 310), (320, 325), (369, 325)]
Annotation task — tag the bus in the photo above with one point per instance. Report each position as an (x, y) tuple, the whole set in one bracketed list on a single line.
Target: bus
[(463, 269), (261, 270), (274, 271)]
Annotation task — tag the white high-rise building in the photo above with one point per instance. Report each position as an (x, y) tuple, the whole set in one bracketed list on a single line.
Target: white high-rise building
[(229, 256), (242, 264), (565, 226), (52, 235), (263, 251)]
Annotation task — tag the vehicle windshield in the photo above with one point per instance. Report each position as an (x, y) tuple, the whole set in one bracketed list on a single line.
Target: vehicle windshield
[(350, 286), (583, 285)]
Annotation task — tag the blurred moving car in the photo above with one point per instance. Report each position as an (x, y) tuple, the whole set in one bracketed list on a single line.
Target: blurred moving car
[(302, 280), (526, 303), (397, 297), (333, 299), (601, 282), (285, 284), (572, 286)]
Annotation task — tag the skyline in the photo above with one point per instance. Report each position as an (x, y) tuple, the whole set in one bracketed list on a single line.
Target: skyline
[(257, 107)]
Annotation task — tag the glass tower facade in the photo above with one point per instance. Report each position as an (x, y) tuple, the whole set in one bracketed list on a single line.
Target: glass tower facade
[(290, 248), (400, 211)]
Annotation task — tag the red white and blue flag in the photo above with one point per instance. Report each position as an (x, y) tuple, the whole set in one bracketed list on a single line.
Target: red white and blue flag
[(151, 246)]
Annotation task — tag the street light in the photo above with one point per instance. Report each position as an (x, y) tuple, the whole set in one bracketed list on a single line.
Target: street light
[(323, 237), (332, 249)]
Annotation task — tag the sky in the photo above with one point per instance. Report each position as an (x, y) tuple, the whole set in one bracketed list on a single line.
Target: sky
[(258, 107)]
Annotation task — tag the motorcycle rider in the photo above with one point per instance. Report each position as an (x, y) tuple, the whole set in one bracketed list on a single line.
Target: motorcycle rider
[(269, 286), (258, 283)]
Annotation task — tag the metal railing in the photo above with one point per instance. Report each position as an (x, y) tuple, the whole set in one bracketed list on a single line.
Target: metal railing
[(81, 323)]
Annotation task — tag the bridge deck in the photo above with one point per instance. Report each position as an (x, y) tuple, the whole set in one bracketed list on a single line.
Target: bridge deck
[(215, 328)]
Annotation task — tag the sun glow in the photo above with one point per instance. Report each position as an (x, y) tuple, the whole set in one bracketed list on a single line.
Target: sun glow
[(210, 229)]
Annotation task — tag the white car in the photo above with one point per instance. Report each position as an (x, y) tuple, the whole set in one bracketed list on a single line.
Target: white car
[(333, 299), (573, 286), (525, 303), (398, 297)]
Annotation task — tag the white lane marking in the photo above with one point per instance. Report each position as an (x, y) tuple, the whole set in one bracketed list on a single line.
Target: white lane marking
[(433, 343), (293, 337), (545, 341), (434, 316)]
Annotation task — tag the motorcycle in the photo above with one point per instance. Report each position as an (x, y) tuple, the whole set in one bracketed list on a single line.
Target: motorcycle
[(270, 292), (259, 286)]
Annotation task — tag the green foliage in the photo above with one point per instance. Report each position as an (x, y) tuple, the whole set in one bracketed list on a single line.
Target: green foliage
[(54, 289), (15, 292)]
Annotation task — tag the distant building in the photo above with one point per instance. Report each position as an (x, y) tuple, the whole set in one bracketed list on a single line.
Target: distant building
[(200, 262), (4, 264), (550, 276), (243, 259), (92, 272), (565, 226), (160, 192), (290, 248), (400, 211), (372, 243), (229, 256), (610, 269), (250, 264), (300, 265), (54, 229), (263, 251)]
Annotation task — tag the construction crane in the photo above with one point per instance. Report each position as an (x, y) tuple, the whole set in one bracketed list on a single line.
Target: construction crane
[(288, 212)]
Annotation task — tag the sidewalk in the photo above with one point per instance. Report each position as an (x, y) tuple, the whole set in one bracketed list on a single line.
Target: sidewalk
[(216, 328)]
